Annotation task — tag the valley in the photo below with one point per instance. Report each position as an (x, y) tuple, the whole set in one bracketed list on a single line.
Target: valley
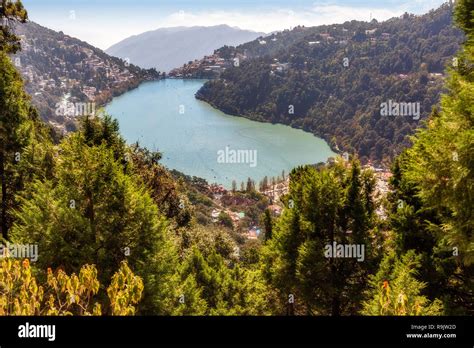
[(321, 170), (333, 81), (150, 113)]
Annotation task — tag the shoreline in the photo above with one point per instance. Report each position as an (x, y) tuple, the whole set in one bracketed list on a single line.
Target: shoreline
[(334, 149), (239, 178)]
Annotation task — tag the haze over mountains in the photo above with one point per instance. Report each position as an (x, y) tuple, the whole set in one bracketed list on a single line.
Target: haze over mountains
[(168, 48)]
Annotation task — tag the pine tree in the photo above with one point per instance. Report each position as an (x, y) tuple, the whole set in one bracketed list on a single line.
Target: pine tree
[(12, 112), (250, 185), (268, 224), (25, 145), (166, 191), (265, 183), (190, 301), (396, 291), (432, 202), (324, 206), (224, 290), (93, 212)]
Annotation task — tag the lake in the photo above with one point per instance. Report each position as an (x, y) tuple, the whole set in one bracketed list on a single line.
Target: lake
[(199, 140)]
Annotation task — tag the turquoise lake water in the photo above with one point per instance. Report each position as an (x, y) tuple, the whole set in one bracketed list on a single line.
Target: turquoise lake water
[(199, 140)]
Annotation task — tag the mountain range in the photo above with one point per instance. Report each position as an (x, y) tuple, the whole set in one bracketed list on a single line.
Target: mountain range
[(168, 48)]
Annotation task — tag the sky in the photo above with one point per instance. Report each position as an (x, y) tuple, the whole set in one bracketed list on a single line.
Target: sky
[(103, 23)]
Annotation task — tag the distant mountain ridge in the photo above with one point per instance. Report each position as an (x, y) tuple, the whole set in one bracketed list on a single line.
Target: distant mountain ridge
[(168, 48)]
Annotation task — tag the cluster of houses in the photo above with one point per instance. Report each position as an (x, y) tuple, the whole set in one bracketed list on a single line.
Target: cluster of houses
[(209, 67), (382, 187), (279, 67), (67, 74), (217, 191), (275, 209), (213, 65), (253, 231), (90, 92), (114, 73), (373, 38), (236, 217), (274, 192), (433, 78), (327, 38)]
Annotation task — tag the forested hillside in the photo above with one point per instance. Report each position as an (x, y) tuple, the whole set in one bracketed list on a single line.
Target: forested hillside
[(58, 69), (118, 234), (332, 80)]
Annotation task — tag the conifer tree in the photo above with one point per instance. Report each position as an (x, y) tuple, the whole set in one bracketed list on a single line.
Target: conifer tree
[(92, 211), (225, 290), (324, 206), (25, 145), (12, 112), (396, 291), (190, 301), (433, 181), (268, 224)]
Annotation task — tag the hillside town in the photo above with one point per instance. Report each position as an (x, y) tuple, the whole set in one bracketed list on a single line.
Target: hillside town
[(232, 204), (58, 69), (208, 67), (212, 66)]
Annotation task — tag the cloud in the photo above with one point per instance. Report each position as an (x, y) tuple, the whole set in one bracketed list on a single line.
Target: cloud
[(265, 20), (118, 24)]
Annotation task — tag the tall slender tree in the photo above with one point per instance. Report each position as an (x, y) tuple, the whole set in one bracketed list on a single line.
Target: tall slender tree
[(433, 182), (325, 206), (11, 113)]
